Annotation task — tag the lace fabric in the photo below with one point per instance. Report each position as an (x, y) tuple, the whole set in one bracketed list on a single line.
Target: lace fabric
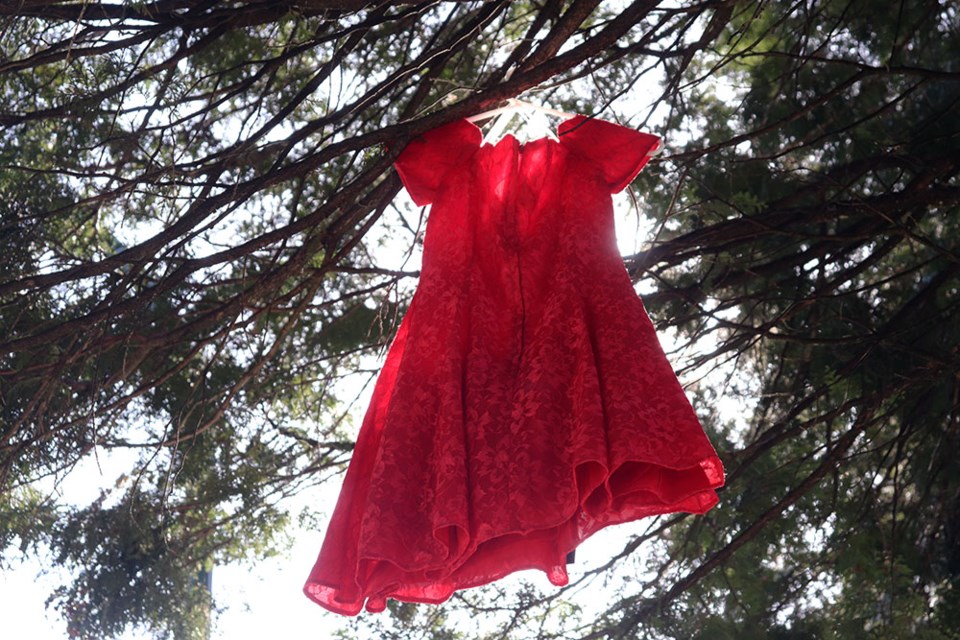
[(525, 401)]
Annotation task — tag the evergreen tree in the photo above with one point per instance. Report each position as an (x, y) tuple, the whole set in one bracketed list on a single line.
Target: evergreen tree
[(187, 192)]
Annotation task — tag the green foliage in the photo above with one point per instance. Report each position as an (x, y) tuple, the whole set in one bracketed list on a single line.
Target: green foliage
[(844, 283), (26, 517), (132, 566)]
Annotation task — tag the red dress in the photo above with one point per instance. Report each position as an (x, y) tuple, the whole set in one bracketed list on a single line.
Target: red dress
[(525, 402)]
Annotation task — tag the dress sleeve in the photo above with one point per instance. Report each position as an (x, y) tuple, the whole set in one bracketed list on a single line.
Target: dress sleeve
[(618, 152), (427, 158)]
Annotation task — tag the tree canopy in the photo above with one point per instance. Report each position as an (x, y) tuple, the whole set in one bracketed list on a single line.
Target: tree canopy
[(187, 192)]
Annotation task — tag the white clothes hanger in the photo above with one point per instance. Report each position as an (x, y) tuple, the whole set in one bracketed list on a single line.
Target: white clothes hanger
[(513, 105), (533, 115)]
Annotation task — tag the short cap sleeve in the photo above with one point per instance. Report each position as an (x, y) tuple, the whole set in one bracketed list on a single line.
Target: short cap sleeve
[(427, 158), (618, 152)]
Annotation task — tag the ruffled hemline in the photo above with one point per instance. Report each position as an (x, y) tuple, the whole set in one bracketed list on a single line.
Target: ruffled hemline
[(633, 491)]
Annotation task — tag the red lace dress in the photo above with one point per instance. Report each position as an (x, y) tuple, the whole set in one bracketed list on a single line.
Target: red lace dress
[(525, 402)]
